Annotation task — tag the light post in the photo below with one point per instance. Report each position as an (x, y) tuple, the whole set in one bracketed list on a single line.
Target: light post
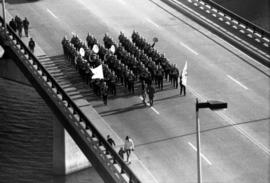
[(213, 105), (4, 13)]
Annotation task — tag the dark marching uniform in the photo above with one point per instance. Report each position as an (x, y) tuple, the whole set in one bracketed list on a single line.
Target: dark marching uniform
[(151, 94), (104, 92), (182, 87), (159, 77)]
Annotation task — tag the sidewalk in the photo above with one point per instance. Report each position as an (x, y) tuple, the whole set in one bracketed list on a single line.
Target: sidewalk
[(104, 128)]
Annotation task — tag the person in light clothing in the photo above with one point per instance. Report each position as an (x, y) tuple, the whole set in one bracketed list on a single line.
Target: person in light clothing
[(128, 146)]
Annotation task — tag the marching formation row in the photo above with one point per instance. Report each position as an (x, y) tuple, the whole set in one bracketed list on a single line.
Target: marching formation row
[(128, 62)]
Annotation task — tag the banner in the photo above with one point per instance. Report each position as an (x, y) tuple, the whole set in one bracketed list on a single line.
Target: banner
[(184, 75), (97, 72)]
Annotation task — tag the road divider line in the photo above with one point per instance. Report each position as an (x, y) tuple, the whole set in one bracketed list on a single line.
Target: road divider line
[(238, 82), (190, 49), (154, 110), (203, 156), (151, 106), (122, 2), (52, 14), (152, 22)]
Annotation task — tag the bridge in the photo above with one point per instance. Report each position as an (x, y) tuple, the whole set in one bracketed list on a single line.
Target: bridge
[(247, 37)]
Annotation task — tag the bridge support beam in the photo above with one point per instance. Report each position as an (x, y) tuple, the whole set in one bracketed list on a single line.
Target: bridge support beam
[(67, 156)]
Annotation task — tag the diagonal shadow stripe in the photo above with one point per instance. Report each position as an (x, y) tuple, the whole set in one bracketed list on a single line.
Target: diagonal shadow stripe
[(203, 131)]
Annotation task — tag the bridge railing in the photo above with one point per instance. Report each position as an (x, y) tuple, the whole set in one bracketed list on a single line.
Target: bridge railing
[(244, 26), (87, 133), (227, 12)]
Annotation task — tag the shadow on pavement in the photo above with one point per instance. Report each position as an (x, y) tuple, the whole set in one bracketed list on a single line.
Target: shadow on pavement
[(122, 110), (203, 131)]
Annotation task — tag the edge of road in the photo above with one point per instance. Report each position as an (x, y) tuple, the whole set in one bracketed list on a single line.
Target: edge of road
[(137, 165), (249, 50), (217, 29)]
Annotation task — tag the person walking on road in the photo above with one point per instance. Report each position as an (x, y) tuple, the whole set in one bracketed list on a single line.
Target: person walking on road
[(128, 147), (31, 45), (19, 25), (151, 94), (26, 26), (104, 92), (182, 87), (110, 140), (121, 152), (144, 95), (13, 25)]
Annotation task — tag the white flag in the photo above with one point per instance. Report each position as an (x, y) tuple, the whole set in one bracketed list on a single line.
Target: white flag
[(2, 51), (184, 75), (97, 72)]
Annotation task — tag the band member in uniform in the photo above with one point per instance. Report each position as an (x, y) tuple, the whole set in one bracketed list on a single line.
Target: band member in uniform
[(182, 87), (104, 92), (159, 76), (151, 94)]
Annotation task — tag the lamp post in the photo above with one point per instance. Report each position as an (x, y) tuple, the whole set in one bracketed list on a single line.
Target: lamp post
[(213, 105), (4, 13)]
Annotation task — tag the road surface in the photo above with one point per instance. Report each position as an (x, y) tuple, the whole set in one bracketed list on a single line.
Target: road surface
[(235, 142)]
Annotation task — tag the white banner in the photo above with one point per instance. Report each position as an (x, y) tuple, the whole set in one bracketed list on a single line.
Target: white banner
[(184, 75), (97, 72)]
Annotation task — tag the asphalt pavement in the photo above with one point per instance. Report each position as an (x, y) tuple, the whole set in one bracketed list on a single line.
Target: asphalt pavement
[(235, 142)]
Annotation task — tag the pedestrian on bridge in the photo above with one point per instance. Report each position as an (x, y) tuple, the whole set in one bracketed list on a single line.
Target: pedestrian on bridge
[(110, 140), (31, 45), (13, 25), (19, 25), (128, 147), (25, 26), (121, 152)]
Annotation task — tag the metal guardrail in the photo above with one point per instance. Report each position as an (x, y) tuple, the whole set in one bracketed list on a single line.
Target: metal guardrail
[(251, 30), (90, 137), (238, 18)]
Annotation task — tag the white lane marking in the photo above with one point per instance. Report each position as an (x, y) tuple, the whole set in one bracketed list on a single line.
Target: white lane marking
[(154, 110), (238, 82), (201, 154), (155, 180), (52, 13), (187, 47), (151, 107), (152, 22), (231, 122)]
